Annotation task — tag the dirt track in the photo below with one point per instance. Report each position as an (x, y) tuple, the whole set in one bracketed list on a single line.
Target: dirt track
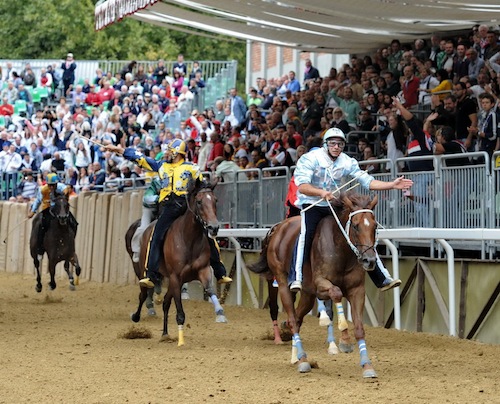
[(65, 347)]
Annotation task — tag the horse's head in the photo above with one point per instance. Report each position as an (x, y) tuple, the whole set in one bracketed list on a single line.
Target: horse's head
[(361, 228), (60, 209), (204, 207)]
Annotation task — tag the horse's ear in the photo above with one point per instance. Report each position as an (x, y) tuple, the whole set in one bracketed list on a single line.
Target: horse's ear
[(373, 202), (347, 202), (214, 183), (191, 185)]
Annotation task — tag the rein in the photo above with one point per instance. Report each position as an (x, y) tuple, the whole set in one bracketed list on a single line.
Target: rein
[(54, 199), (197, 217), (345, 232)]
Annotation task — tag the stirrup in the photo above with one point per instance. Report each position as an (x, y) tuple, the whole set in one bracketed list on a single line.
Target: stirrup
[(147, 282), (296, 286), (224, 279), (390, 283)]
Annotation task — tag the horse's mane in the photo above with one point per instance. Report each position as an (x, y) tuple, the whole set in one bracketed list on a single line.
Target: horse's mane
[(195, 186), (359, 200)]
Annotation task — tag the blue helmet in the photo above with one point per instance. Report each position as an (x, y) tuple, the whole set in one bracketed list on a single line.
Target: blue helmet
[(177, 146), (52, 178)]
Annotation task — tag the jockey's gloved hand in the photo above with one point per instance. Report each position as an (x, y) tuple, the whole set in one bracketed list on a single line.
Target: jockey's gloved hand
[(31, 214)]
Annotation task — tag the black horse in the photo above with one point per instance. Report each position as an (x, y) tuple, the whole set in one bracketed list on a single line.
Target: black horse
[(58, 243)]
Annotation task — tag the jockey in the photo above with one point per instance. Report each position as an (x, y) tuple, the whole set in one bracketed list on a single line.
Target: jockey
[(174, 174), (317, 175), (44, 197)]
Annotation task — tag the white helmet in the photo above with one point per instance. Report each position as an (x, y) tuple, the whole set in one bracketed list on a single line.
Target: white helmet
[(334, 132)]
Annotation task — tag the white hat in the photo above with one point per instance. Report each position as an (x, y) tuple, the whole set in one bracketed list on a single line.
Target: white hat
[(334, 132), (69, 55), (241, 153)]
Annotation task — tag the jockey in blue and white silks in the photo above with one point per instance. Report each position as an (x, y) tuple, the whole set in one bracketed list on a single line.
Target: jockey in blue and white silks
[(318, 174)]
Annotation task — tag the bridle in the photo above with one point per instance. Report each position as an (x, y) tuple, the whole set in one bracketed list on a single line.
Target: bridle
[(345, 232), (62, 218), (195, 211)]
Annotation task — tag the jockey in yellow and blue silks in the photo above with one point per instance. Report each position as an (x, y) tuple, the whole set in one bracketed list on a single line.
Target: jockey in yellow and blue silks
[(44, 198), (174, 174)]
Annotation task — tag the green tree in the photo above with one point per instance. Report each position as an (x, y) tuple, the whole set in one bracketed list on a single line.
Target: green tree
[(39, 29)]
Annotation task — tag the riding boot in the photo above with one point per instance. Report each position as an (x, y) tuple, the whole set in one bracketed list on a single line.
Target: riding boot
[(294, 279), (216, 263), (382, 278)]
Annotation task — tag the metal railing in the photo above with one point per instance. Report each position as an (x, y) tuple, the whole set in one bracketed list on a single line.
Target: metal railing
[(219, 76)]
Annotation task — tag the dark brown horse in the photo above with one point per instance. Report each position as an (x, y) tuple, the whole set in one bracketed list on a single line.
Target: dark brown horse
[(186, 253), (145, 295), (341, 253), (58, 243)]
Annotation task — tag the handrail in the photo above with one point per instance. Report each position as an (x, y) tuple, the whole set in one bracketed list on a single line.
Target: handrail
[(386, 235)]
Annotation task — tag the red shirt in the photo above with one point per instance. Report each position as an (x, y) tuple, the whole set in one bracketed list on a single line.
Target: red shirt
[(6, 110), (93, 99), (410, 92), (106, 94), (217, 150)]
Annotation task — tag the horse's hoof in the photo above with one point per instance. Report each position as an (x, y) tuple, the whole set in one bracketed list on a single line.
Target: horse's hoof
[(38, 288), (369, 374), (72, 287), (345, 348), (304, 367), (332, 349), (135, 317), (220, 318), (52, 287), (158, 298), (151, 312)]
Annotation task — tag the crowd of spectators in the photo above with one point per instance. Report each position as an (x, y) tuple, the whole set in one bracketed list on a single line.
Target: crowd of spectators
[(451, 83)]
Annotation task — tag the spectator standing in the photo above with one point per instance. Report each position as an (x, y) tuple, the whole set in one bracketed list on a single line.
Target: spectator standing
[(180, 66), (293, 84), (475, 63), (410, 87), (310, 73), (238, 108), (68, 77)]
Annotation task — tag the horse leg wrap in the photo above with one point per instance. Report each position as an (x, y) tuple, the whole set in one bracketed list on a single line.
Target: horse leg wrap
[(342, 322), (330, 337), (217, 306), (181, 335), (363, 353), (301, 354)]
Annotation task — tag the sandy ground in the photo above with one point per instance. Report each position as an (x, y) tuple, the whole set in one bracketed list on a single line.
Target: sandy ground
[(66, 347)]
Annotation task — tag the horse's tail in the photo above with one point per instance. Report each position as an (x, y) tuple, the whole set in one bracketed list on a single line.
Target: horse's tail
[(261, 267)]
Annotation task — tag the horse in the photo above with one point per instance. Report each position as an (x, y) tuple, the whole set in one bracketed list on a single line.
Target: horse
[(150, 296), (343, 249), (58, 243), (186, 253)]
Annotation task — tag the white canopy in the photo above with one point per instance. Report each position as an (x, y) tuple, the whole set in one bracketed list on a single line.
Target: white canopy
[(331, 26)]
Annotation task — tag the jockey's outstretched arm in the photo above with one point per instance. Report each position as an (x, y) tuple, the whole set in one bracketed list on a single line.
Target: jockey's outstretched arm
[(136, 157)]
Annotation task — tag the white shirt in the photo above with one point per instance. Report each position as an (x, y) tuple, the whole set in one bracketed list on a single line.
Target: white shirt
[(10, 162)]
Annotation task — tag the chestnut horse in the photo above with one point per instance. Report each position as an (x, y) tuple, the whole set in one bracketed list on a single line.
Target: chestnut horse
[(145, 294), (186, 253), (343, 249), (58, 243)]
